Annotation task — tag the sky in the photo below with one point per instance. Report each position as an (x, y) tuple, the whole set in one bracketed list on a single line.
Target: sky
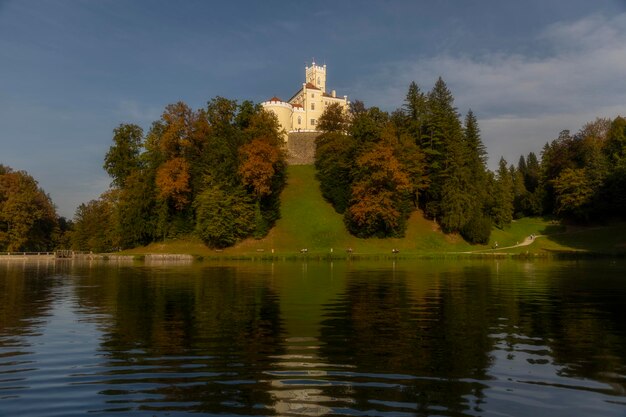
[(72, 71)]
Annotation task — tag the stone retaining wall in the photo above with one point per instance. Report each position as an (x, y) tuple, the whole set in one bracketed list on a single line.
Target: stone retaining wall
[(301, 148)]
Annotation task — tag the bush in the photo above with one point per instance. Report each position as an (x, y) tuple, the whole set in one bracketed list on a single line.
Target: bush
[(477, 230)]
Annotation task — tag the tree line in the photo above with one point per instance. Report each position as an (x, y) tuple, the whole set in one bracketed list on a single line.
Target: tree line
[(217, 173), (376, 168), (580, 177)]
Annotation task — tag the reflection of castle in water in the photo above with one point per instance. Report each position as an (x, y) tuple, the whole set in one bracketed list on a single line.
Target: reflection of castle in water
[(302, 396)]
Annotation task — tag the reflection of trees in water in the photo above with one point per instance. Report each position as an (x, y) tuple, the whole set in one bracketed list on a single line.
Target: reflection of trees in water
[(26, 296), (576, 310), (426, 349), (197, 339)]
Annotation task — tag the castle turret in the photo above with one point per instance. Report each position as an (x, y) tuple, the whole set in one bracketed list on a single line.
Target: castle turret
[(316, 75), (282, 110)]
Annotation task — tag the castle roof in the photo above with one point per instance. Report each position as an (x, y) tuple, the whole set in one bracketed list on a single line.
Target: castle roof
[(274, 99), (311, 86)]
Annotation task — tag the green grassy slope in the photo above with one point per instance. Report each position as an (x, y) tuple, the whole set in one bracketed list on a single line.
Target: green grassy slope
[(308, 221)]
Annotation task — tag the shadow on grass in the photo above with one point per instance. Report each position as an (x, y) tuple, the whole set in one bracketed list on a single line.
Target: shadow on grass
[(599, 239)]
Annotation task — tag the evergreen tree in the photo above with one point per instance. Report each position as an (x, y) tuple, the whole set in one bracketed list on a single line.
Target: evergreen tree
[(414, 109), (532, 172), (442, 128), (520, 194), (476, 160), (502, 210), (458, 203)]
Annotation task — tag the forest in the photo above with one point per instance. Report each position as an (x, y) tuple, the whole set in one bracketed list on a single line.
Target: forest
[(216, 173)]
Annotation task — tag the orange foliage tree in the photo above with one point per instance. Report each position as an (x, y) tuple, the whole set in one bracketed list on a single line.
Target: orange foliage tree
[(172, 181), (257, 167), (377, 193)]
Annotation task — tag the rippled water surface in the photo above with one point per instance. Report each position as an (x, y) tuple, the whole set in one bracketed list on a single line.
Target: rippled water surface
[(403, 338)]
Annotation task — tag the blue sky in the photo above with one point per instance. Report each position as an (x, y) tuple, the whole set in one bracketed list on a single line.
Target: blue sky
[(71, 71)]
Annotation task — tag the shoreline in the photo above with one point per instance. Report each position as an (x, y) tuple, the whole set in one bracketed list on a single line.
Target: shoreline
[(171, 258)]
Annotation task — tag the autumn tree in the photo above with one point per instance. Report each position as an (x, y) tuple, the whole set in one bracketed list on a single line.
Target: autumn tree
[(257, 166), (260, 161), (28, 219), (379, 187)]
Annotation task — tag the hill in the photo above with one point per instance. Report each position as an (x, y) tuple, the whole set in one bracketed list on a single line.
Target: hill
[(308, 221)]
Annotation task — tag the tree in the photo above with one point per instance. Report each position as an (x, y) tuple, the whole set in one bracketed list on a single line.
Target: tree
[(334, 119), (477, 229), (224, 217), (367, 124), (172, 181), (94, 226), (136, 210), (28, 220), (442, 128), (379, 186), (442, 124), (532, 173), (477, 158), (458, 203), (260, 161), (616, 140), (574, 192), (415, 108), (123, 156), (334, 158), (257, 166), (413, 161), (502, 210), (521, 196)]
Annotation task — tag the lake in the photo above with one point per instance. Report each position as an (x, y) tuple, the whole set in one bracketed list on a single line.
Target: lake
[(310, 338)]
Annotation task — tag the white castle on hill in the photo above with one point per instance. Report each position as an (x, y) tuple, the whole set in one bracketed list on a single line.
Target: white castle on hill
[(302, 111)]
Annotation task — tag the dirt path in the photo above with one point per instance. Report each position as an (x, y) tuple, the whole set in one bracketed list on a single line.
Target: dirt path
[(529, 240)]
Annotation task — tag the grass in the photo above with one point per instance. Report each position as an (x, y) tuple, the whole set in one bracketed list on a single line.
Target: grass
[(308, 221)]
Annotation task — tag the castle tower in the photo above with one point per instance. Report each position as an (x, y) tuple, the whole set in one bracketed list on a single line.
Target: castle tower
[(316, 75)]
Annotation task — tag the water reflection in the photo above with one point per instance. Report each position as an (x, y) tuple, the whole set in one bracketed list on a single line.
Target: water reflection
[(404, 338)]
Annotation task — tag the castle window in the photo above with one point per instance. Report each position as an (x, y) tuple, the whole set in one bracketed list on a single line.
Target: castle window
[(318, 81), (312, 106), (312, 122), (299, 120)]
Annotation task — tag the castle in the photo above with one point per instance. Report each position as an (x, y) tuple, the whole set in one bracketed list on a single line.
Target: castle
[(302, 111)]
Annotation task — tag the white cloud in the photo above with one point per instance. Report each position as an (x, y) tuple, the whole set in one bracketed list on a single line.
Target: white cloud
[(575, 73), (131, 111)]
